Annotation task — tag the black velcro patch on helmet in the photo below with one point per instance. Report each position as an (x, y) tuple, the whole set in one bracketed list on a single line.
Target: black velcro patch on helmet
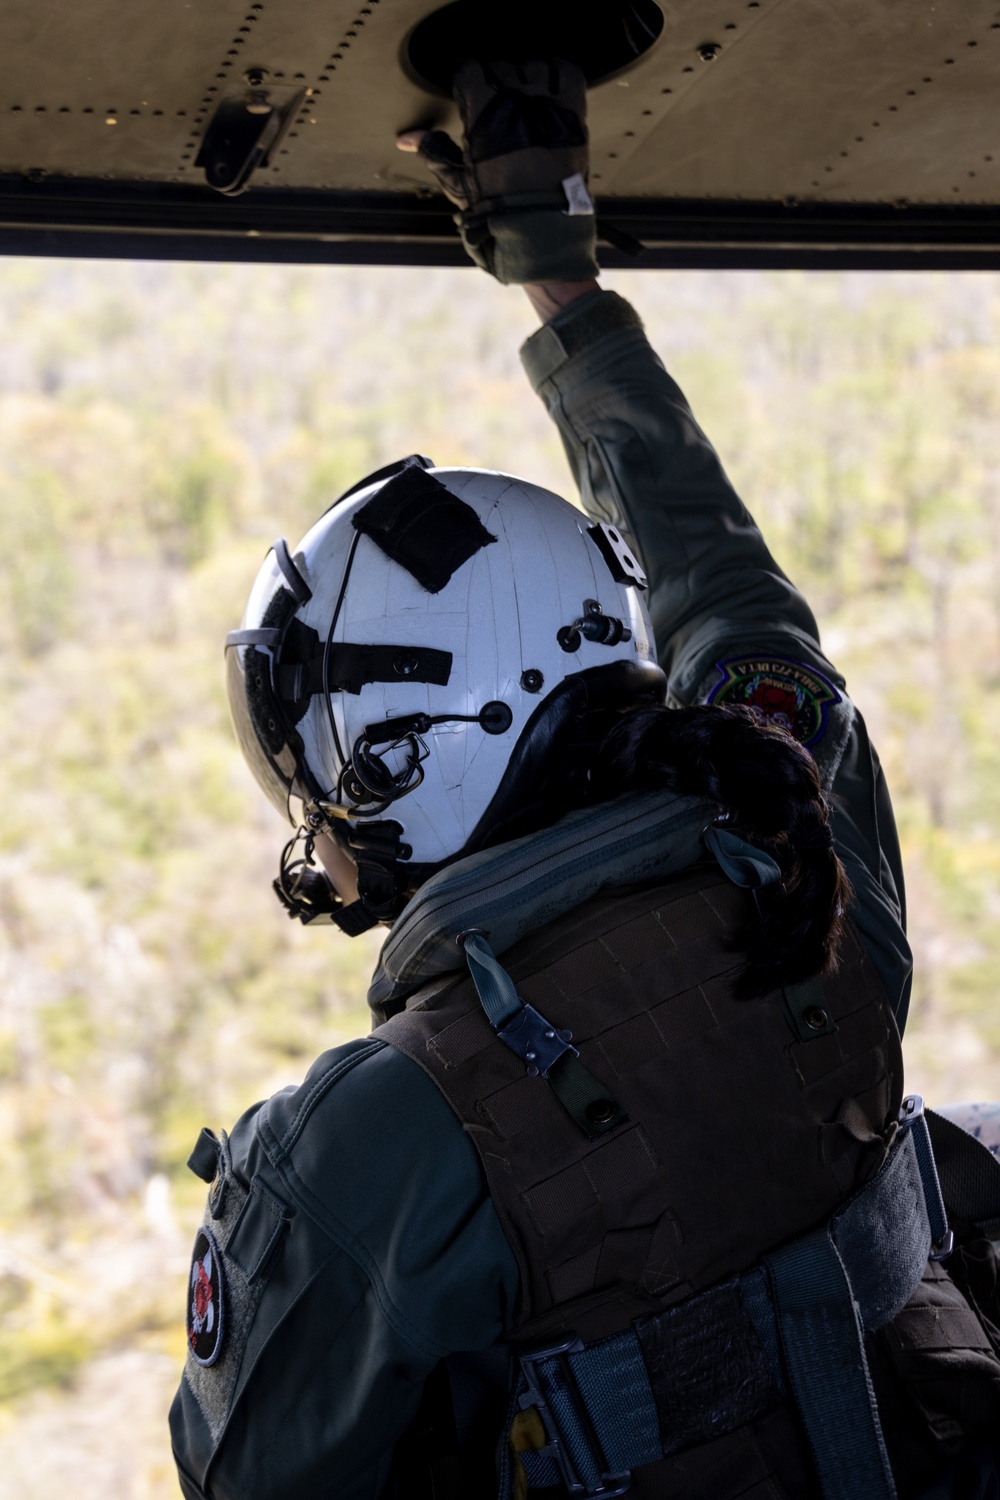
[(422, 526), (350, 667)]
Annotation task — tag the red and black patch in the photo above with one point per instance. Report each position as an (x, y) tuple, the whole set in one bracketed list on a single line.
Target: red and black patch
[(787, 693), (206, 1305)]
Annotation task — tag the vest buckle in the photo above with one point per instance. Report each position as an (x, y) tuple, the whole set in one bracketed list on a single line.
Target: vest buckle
[(548, 1373), (535, 1040)]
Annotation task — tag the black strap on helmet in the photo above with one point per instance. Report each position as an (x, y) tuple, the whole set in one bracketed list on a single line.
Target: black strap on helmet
[(349, 667), (308, 894), (377, 850)]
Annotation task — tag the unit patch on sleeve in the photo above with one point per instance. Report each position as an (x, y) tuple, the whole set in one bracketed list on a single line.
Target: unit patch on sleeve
[(782, 692), (205, 1299)]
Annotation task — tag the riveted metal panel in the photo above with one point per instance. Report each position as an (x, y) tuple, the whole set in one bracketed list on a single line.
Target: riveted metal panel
[(752, 132)]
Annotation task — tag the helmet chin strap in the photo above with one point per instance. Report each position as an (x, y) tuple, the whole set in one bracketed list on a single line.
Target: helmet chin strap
[(376, 848), (308, 894)]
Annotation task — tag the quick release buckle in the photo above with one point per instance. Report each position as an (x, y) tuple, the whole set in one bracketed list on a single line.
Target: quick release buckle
[(535, 1040), (607, 1486), (912, 1117)]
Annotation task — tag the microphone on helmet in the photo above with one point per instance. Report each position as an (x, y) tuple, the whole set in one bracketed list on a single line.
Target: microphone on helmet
[(367, 776)]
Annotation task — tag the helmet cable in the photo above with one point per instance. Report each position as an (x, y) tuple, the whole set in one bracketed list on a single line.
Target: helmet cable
[(326, 651)]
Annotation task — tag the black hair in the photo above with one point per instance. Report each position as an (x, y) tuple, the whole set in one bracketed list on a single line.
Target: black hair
[(769, 786)]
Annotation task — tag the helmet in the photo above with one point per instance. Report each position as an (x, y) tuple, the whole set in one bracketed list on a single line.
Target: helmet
[(406, 677)]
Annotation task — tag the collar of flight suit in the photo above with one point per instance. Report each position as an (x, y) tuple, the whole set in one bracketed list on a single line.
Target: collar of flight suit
[(512, 889)]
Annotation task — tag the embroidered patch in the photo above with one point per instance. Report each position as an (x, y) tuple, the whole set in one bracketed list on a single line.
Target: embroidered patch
[(782, 692), (205, 1299)]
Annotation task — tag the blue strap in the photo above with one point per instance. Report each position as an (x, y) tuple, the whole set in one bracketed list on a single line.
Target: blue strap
[(823, 1345), (544, 1048), (883, 1236), (599, 1404), (616, 1389), (739, 860), (494, 985), (519, 1026), (857, 1273), (912, 1117), (809, 1304), (755, 1291)]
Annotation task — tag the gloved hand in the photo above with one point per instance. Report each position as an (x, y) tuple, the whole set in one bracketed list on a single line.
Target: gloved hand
[(520, 184)]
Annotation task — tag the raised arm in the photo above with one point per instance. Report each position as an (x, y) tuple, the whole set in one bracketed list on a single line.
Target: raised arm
[(730, 627), (642, 463)]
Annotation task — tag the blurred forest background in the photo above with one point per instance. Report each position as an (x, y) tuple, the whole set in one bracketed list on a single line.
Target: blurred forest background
[(159, 425)]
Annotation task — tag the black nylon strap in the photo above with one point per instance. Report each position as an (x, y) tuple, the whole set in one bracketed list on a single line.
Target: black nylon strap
[(587, 1102), (354, 919), (376, 848), (805, 1007), (885, 1223), (822, 1342), (969, 1174), (204, 1159), (351, 666)]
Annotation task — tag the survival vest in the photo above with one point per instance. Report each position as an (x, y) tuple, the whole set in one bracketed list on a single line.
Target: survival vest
[(666, 1160), (737, 1131)]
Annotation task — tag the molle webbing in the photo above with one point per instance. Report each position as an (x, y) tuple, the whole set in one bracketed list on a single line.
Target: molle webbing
[(719, 1361), (700, 1180), (544, 1051)]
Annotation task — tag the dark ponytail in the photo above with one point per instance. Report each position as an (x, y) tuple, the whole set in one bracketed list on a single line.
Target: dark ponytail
[(769, 786)]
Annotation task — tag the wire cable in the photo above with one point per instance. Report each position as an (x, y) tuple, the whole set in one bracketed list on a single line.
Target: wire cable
[(326, 653)]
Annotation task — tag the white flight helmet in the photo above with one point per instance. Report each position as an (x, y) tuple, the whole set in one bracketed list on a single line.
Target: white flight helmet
[(404, 679)]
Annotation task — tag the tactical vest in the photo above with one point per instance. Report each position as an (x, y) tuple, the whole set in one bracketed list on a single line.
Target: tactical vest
[(744, 1126), (747, 1122), (753, 1176)]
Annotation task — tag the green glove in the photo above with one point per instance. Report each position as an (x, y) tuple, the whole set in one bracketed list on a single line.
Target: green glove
[(526, 215)]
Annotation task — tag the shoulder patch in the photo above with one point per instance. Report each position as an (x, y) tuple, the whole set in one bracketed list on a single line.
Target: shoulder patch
[(781, 691), (206, 1299)]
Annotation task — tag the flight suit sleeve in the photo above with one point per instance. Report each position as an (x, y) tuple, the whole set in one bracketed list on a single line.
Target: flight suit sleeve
[(349, 1245), (730, 626)]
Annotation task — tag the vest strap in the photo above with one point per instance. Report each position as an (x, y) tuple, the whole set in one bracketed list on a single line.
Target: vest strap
[(913, 1117), (970, 1174), (545, 1050), (822, 1341), (706, 1366)]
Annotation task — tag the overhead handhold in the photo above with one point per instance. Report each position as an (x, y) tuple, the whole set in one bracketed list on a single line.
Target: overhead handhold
[(602, 38)]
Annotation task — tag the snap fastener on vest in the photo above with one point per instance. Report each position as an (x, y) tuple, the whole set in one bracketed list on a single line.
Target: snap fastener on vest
[(816, 1018), (601, 1110)]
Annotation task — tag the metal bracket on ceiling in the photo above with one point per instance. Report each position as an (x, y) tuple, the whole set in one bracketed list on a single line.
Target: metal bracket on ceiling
[(243, 133)]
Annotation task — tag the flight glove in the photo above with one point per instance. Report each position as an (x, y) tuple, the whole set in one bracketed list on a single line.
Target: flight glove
[(520, 184)]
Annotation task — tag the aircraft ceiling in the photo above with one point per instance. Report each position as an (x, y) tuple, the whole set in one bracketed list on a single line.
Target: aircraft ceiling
[(751, 132)]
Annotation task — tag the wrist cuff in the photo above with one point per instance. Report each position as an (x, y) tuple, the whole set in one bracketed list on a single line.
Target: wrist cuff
[(578, 326), (531, 245)]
